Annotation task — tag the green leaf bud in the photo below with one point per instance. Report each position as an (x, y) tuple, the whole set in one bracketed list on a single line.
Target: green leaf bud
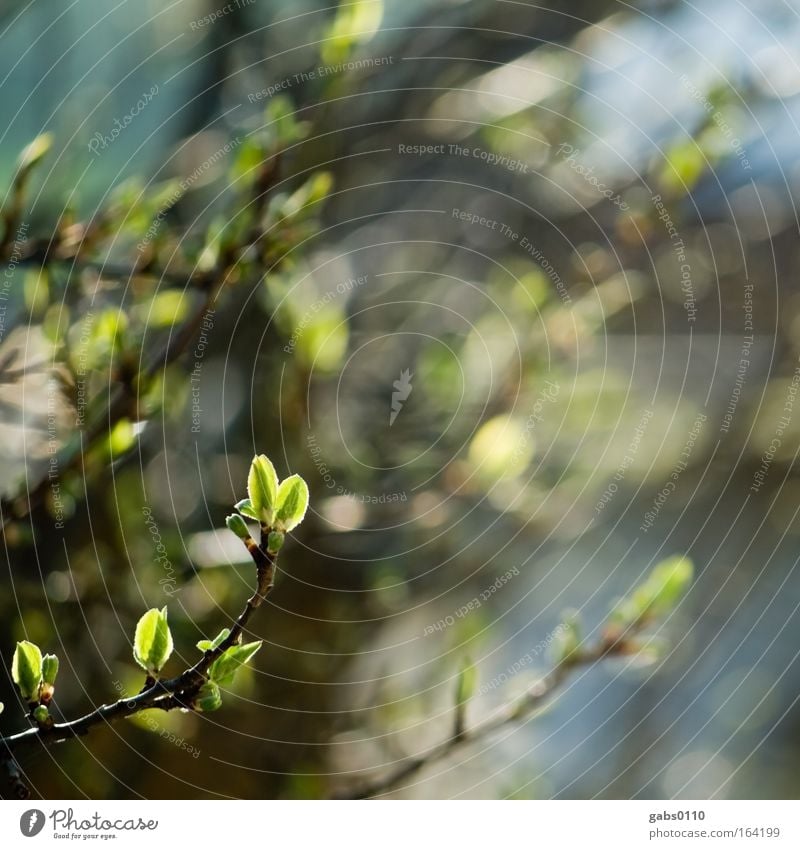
[(224, 667), (208, 698), (49, 669), (262, 487), (152, 644), (238, 525), (292, 503), (26, 670)]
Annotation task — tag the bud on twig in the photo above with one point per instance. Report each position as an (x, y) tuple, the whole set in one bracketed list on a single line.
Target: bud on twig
[(238, 525)]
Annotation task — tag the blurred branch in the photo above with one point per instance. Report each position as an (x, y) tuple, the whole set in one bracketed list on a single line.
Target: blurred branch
[(123, 397), (505, 716), (119, 404), (654, 598)]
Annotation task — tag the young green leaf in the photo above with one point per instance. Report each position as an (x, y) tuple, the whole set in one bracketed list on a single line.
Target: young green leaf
[(152, 644), (26, 670), (245, 507), (41, 714), (210, 645), (668, 582), (208, 698), (49, 669), (262, 487), (224, 667), (658, 594), (33, 152), (291, 504), (238, 525)]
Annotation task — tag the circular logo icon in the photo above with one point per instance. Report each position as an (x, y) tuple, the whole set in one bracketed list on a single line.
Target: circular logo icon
[(31, 822)]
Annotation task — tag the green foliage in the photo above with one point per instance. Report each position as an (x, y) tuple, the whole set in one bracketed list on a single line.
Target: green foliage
[(500, 449), (279, 507), (238, 525), (322, 338), (282, 122), (292, 503), (41, 714), (245, 507), (33, 153), (210, 645), (353, 24), (262, 487), (299, 204), (656, 596), (683, 166), (26, 670), (152, 643), (208, 698), (49, 669), (164, 309), (223, 669)]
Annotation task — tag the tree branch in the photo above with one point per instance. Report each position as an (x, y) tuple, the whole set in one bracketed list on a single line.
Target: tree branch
[(177, 692), (538, 693)]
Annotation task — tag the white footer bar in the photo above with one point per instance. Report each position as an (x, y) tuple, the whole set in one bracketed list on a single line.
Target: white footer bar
[(403, 825)]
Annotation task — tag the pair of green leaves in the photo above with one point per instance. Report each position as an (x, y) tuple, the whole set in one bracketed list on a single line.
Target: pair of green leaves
[(278, 506), (224, 667), (222, 671), (657, 596), (34, 674), (152, 643)]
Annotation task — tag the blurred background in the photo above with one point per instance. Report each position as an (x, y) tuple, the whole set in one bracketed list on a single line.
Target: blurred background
[(525, 318)]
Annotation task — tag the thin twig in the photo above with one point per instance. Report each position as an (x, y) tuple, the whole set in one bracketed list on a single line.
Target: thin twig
[(508, 714), (177, 692)]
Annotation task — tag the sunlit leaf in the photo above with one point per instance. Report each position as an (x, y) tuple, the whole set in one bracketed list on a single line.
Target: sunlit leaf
[(223, 669), (152, 644), (262, 487), (26, 670), (292, 503)]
